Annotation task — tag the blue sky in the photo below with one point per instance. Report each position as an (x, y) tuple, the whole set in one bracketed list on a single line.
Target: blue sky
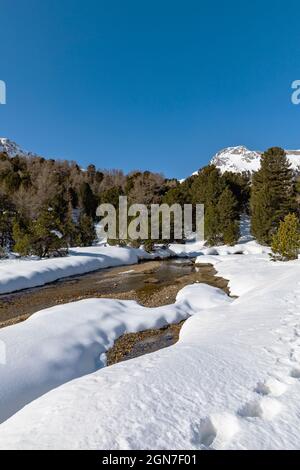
[(159, 85)]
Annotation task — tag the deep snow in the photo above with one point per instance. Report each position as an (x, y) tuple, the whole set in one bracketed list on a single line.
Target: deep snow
[(63, 342), (231, 382)]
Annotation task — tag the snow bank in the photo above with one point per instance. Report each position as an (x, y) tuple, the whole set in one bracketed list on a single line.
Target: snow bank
[(20, 274), (247, 273), (231, 382), (190, 249), (60, 343)]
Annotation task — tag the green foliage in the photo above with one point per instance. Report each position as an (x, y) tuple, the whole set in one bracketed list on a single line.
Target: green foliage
[(148, 245), (286, 241), (179, 194), (227, 217), (21, 237), (231, 233), (41, 237), (220, 203), (207, 187), (272, 195), (88, 200), (212, 231), (86, 228), (239, 185), (111, 196), (6, 221)]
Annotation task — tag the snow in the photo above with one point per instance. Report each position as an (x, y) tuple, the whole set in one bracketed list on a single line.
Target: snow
[(12, 149), (240, 159), (20, 274), (23, 273), (237, 159), (64, 342), (189, 249), (294, 159), (231, 382)]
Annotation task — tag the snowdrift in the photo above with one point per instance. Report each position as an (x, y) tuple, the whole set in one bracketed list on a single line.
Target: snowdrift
[(58, 344)]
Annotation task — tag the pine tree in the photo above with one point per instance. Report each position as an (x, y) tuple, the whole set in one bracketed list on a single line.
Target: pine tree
[(86, 228), (213, 235), (207, 186), (21, 238), (239, 184), (6, 221), (286, 242), (42, 237), (88, 200), (227, 216), (273, 194), (47, 236)]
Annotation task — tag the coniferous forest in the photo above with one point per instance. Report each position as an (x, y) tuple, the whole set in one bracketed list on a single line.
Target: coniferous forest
[(47, 206)]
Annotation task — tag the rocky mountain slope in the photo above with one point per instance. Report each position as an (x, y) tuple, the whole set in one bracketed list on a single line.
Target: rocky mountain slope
[(11, 148), (239, 159)]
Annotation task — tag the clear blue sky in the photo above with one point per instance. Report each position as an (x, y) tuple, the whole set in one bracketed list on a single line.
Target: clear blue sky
[(157, 84)]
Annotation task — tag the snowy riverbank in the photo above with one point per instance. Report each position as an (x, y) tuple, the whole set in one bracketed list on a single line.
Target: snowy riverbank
[(18, 274)]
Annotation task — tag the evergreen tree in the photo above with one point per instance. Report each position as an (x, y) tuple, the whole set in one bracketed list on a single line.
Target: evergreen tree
[(273, 194), (86, 228), (286, 242), (239, 184), (7, 211), (111, 196), (227, 216), (88, 200), (207, 186), (21, 238), (42, 237), (212, 233)]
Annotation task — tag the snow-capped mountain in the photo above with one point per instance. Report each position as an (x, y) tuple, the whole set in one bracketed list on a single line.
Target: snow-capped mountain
[(12, 149), (239, 159)]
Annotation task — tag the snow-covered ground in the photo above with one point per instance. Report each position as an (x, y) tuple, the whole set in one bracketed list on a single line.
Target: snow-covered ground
[(231, 382), (60, 343)]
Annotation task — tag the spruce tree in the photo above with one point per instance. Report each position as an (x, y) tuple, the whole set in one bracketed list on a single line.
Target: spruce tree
[(286, 242), (42, 237), (207, 186), (212, 233), (228, 215), (87, 233), (6, 221), (272, 195), (47, 237), (21, 238), (88, 200)]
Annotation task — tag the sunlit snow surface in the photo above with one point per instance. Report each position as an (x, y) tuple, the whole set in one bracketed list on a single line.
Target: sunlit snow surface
[(231, 382)]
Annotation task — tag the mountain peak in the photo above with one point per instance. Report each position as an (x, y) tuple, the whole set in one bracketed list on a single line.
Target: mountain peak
[(239, 159), (11, 148)]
